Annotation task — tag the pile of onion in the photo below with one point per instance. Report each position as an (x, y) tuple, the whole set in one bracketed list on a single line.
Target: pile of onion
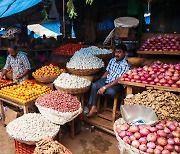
[(162, 138), (162, 43), (160, 74)]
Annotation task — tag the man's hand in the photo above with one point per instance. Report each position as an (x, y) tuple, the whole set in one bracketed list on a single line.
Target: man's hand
[(18, 77), (101, 90)]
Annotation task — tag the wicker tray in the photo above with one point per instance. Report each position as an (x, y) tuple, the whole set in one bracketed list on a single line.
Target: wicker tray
[(74, 90), (48, 79), (83, 71), (104, 56), (22, 148)]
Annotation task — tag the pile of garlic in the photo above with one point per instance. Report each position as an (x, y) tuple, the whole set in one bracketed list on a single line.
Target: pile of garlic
[(83, 61), (94, 51), (31, 127), (66, 80)]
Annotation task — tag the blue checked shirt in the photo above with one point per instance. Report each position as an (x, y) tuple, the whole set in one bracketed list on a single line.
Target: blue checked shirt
[(19, 64), (116, 69)]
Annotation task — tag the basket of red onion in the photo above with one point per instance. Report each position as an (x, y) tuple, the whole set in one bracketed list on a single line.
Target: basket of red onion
[(164, 137)]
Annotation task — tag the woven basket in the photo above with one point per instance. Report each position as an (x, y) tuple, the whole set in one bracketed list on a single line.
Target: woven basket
[(83, 71), (136, 60), (124, 147), (104, 56), (74, 90), (22, 148), (47, 79)]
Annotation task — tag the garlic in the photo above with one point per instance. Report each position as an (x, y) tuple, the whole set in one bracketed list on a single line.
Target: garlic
[(66, 80), (31, 127)]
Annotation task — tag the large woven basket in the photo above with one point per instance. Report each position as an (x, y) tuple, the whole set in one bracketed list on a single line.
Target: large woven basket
[(74, 90), (83, 71), (124, 147), (47, 79), (104, 56), (136, 60)]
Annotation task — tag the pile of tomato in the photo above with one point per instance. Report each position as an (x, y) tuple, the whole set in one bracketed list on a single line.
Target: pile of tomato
[(68, 49)]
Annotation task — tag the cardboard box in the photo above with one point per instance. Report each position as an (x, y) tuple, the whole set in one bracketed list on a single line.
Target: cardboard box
[(11, 115)]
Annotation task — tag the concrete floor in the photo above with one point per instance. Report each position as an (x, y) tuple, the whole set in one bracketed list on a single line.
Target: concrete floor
[(86, 142)]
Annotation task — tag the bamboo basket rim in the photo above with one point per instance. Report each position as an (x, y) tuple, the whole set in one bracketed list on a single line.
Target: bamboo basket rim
[(73, 90), (84, 71), (45, 79)]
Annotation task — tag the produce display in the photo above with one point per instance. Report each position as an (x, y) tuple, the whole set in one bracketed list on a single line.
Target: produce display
[(49, 70), (162, 43), (66, 80), (4, 83), (164, 137), (24, 92), (68, 49), (93, 50), (50, 147), (59, 101), (85, 62), (158, 73), (165, 104), (31, 127)]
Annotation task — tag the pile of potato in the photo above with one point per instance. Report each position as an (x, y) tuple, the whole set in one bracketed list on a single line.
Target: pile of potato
[(48, 146), (165, 104)]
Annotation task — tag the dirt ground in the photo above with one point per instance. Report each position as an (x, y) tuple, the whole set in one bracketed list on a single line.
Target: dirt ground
[(86, 142)]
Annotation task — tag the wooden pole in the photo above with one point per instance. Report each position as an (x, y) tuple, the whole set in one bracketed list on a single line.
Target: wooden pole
[(64, 30)]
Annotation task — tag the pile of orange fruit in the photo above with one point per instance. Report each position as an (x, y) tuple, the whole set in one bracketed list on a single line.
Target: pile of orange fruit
[(4, 83), (24, 92), (49, 70)]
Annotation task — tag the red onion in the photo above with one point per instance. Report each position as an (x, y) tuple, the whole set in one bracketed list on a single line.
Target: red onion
[(172, 127), (122, 134), (177, 148), (161, 141), (166, 152), (161, 133), (137, 135), (127, 140), (160, 127), (153, 129), (159, 147), (143, 140), (151, 145), (177, 141), (132, 138), (144, 131), (128, 133), (124, 127), (157, 151), (143, 147), (151, 137), (176, 134), (133, 128), (169, 147), (150, 151), (135, 144), (166, 130)]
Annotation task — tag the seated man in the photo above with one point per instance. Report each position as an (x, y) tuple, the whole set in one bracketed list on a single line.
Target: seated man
[(108, 84)]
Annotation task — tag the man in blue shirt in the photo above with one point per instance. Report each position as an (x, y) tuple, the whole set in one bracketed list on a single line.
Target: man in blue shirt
[(108, 84), (19, 63)]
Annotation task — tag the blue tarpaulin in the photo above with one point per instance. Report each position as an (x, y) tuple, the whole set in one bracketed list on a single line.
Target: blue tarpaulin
[(10, 7)]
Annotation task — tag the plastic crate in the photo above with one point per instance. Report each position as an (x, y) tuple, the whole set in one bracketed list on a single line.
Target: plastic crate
[(22, 148)]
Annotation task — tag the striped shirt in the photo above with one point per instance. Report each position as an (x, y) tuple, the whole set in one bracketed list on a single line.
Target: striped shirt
[(116, 69), (18, 64)]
